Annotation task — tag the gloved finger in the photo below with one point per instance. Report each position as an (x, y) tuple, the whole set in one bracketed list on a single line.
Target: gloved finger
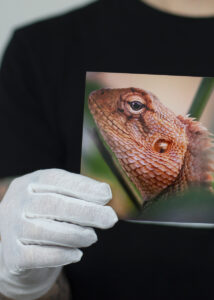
[(68, 209), (34, 256), (50, 232), (70, 184)]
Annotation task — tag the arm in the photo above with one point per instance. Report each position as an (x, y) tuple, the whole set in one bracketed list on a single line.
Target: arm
[(19, 100), (4, 183), (60, 290)]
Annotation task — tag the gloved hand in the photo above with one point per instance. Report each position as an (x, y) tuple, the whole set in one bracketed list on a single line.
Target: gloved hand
[(45, 217)]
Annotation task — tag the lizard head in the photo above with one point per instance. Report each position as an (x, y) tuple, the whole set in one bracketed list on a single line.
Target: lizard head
[(150, 142)]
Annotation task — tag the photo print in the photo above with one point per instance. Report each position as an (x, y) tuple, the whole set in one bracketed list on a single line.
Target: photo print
[(150, 138)]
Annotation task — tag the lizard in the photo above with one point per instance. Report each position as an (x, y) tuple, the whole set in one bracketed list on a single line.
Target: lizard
[(160, 152)]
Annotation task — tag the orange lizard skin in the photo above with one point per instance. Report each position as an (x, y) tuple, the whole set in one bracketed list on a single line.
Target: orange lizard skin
[(160, 152)]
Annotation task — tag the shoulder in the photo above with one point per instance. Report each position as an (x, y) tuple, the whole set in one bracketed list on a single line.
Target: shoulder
[(49, 42), (58, 26)]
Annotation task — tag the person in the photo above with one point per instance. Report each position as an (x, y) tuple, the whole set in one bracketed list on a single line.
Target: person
[(49, 212)]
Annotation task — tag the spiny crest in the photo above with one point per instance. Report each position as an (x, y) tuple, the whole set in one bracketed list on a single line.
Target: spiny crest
[(200, 146)]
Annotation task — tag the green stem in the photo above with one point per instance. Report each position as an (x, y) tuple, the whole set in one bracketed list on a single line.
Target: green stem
[(201, 98)]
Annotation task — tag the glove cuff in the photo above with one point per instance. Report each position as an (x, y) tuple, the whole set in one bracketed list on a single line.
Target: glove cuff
[(29, 285)]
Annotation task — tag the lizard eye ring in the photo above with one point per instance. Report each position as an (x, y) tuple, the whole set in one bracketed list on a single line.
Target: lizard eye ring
[(133, 105), (161, 146)]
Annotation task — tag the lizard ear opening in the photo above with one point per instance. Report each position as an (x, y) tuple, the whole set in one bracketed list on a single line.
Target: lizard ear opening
[(162, 146)]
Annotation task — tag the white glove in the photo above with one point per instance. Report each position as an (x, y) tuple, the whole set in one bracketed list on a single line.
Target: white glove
[(45, 217)]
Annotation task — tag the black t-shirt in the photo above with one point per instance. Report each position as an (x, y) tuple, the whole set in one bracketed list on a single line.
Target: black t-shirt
[(41, 103)]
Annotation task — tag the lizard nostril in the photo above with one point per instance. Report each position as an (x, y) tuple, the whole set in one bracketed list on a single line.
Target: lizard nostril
[(162, 146)]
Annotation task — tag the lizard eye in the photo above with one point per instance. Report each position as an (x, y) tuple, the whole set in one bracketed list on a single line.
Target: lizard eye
[(136, 105), (162, 146)]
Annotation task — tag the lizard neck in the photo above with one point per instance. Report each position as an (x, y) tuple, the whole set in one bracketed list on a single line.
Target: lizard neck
[(198, 165)]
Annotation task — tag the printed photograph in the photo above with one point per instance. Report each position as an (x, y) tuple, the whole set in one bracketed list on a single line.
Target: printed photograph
[(150, 138)]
